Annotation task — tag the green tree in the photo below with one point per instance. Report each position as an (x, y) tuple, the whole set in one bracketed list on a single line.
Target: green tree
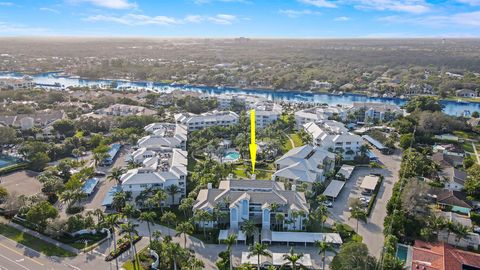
[(423, 103), (475, 114), (323, 247), (169, 218), (292, 258), (116, 174), (130, 230), (248, 228), (258, 249), (149, 218), (406, 140), (8, 135), (64, 127), (38, 161), (230, 241), (111, 222), (40, 213), (3, 194), (172, 191), (184, 228), (353, 256)]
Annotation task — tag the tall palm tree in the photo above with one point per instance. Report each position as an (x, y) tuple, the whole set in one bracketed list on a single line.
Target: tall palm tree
[(149, 218), (358, 214), (99, 157), (186, 205), (184, 228), (173, 190), (436, 223), (231, 239), (461, 232), (115, 175), (203, 216), (258, 249), (173, 249), (129, 229), (293, 258), (323, 247), (195, 264), (160, 197), (248, 228), (279, 218), (119, 200), (111, 221), (169, 217)]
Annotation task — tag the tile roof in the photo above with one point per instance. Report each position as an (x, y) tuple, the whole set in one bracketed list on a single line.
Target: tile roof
[(441, 256)]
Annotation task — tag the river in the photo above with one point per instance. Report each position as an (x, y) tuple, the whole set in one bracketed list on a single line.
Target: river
[(451, 107)]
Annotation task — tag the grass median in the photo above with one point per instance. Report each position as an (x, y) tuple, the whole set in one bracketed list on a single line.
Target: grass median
[(33, 242)]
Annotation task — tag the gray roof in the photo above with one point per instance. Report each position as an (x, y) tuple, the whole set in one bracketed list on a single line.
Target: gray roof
[(334, 188)]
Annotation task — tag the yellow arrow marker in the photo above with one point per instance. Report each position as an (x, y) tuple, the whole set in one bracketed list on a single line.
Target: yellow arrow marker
[(253, 145)]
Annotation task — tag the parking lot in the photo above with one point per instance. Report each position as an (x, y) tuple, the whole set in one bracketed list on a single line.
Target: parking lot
[(372, 231)]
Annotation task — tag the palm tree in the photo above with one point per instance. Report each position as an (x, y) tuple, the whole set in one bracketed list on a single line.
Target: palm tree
[(111, 221), (195, 264), (258, 249), (323, 247), (169, 217), (173, 249), (119, 200), (248, 228), (173, 190), (203, 216), (115, 175), (129, 229), (160, 196), (99, 157), (364, 149), (132, 164), (293, 258), (186, 205), (461, 232), (279, 218), (149, 218), (231, 239), (358, 214), (436, 223), (184, 228)]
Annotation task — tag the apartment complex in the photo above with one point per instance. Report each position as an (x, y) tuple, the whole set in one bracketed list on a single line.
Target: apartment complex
[(124, 110), (334, 137), (266, 113), (375, 111), (12, 83), (209, 119), (306, 163), (165, 134), (160, 168), (318, 114), (252, 200)]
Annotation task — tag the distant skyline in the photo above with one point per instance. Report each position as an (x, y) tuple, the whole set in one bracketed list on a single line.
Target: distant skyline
[(248, 18)]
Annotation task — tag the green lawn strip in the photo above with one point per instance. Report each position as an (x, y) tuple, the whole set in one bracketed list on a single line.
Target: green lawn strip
[(467, 147), (142, 259), (33, 242), (466, 135), (297, 141)]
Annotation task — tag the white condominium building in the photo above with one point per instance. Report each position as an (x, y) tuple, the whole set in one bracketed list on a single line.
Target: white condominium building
[(266, 113), (225, 100), (209, 119), (306, 163), (335, 137), (252, 200), (161, 168), (165, 134), (375, 111), (319, 113)]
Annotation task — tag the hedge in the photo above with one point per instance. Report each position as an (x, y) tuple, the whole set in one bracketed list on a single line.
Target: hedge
[(374, 196), (120, 249), (13, 168)]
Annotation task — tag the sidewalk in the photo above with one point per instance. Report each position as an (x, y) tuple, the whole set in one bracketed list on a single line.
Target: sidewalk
[(43, 237)]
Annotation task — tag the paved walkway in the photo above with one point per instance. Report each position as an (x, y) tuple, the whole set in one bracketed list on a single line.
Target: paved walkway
[(43, 237), (476, 153)]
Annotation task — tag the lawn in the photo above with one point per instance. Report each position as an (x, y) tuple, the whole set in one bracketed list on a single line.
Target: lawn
[(297, 141), (466, 135), (467, 147), (33, 242), (261, 173)]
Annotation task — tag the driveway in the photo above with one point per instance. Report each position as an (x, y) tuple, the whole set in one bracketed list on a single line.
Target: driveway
[(372, 231)]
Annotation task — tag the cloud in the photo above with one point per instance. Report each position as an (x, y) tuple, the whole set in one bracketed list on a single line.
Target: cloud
[(297, 13), (470, 2), (319, 3), (139, 19), (20, 29), (113, 4), (469, 19), (201, 2), (47, 9), (409, 6), (342, 19), (6, 4)]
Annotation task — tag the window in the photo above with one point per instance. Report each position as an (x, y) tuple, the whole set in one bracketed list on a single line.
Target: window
[(244, 207), (233, 214)]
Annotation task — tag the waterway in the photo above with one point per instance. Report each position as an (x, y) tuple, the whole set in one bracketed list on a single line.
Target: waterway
[(450, 107)]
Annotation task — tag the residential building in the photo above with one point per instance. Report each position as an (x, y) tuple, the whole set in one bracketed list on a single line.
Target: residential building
[(419, 90), (161, 167), (466, 93), (454, 178), (373, 111), (304, 164), (447, 160), (320, 85), (318, 114), (225, 100), (209, 119), (451, 200), (266, 113), (27, 121), (13, 83), (334, 137), (165, 134), (442, 256), (125, 110), (252, 200)]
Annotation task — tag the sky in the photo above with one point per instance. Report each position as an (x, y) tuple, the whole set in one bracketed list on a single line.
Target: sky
[(247, 18)]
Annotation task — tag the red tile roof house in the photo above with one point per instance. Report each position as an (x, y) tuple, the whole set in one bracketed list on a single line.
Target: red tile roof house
[(442, 256)]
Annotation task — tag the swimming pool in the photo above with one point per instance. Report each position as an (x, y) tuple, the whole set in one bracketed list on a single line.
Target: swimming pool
[(402, 253), (231, 156), (7, 161)]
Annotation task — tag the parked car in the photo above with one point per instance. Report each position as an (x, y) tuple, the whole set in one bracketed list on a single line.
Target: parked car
[(328, 204)]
